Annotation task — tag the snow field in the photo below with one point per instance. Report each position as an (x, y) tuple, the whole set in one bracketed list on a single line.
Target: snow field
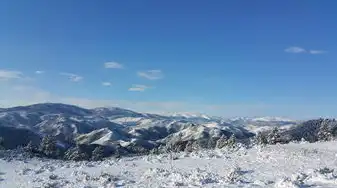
[(280, 166)]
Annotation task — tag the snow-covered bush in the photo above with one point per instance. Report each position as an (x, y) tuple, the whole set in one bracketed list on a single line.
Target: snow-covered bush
[(234, 175), (286, 183), (77, 153), (221, 142), (51, 185), (200, 177), (325, 170), (299, 178)]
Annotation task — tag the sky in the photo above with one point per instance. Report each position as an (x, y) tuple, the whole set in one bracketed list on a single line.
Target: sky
[(224, 58)]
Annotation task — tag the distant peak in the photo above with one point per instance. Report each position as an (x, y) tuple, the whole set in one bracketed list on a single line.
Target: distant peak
[(268, 118), (264, 118), (187, 115)]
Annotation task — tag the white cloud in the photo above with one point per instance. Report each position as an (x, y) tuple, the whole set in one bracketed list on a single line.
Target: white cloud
[(137, 87), (8, 75), (151, 74), (72, 77), (39, 72), (113, 65), (317, 52), (106, 84), (295, 50)]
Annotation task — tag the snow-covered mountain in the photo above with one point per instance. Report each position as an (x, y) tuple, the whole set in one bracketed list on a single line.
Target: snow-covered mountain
[(257, 124), (118, 127), (189, 115)]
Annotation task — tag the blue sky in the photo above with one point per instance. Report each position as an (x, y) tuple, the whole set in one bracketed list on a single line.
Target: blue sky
[(238, 58)]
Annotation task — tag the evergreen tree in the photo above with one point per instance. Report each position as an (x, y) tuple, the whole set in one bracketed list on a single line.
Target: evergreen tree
[(324, 134), (98, 153), (211, 143), (2, 143), (231, 142), (31, 149), (274, 136), (118, 151), (48, 147), (179, 146), (221, 142), (191, 146), (202, 143), (260, 139)]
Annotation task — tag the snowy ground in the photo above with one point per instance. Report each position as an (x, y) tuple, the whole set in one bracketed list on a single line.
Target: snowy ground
[(291, 165)]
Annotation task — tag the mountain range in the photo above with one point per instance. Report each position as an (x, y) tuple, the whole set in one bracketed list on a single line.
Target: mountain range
[(114, 127)]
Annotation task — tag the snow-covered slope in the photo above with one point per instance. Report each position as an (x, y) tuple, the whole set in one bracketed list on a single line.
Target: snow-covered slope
[(62, 121), (278, 166), (102, 136)]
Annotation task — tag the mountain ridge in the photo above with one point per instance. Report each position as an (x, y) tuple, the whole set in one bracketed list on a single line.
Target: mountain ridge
[(114, 126)]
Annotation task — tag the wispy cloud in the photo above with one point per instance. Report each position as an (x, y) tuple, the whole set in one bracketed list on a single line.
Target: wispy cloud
[(299, 50), (317, 51), (113, 65), (72, 77), (8, 74), (137, 87), (106, 84), (295, 50), (39, 72), (151, 74)]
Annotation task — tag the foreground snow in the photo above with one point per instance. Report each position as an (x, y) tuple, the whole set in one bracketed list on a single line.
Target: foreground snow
[(291, 165)]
